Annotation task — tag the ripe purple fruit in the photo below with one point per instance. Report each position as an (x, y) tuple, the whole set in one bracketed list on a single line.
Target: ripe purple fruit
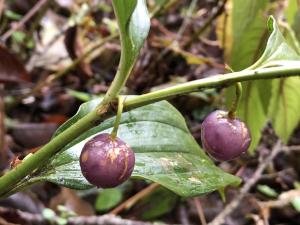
[(224, 138), (106, 162)]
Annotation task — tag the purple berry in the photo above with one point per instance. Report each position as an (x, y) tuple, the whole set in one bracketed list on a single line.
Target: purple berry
[(106, 162), (224, 138)]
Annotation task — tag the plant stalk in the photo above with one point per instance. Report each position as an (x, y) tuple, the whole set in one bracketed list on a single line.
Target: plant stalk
[(220, 80), (35, 161)]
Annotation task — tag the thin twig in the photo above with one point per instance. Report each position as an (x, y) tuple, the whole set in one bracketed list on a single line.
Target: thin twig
[(38, 219), (215, 15), (283, 200), (200, 210), (131, 201), (71, 66), (174, 44), (182, 28), (183, 215), (187, 19), (291, 148), (158, 8), (247, 186), (106, 220), (162, 7), (27, 17)]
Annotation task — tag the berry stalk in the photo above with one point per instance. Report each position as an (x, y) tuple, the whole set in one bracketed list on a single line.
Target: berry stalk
[(118, 117), (236, 101)]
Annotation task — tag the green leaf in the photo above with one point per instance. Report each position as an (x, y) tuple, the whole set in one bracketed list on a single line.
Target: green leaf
[(252, 105), (19, 36), (123, 11), (296, 185), (12, 15), (284, 102), (277, 51), (296, 204), (107, 199), (48, 214), (257, 100), (266, 190), (82, 96), (291, 11), (291, 38), (134, 25), (165, 152), (247, 38), (292, 25), (248, 28), (284, 106)]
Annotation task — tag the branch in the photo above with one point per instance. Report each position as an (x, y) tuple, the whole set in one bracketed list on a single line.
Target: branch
[(104, 220), (220, 80), (132, 200), (200, 210), (207, 23), (37, 219), (70, 67), (24, 20), (283, 200)]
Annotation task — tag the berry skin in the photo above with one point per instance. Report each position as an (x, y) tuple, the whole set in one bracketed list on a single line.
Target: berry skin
[(224, 138), (106, 162)]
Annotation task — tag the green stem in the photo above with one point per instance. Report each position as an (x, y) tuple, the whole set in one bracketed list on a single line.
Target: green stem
[(126, 64), (220, 80), (236, 101), (35, 161), (118, 117)]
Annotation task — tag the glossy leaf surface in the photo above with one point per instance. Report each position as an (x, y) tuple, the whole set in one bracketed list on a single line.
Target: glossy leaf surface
[(166, 152), (134, 25)]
